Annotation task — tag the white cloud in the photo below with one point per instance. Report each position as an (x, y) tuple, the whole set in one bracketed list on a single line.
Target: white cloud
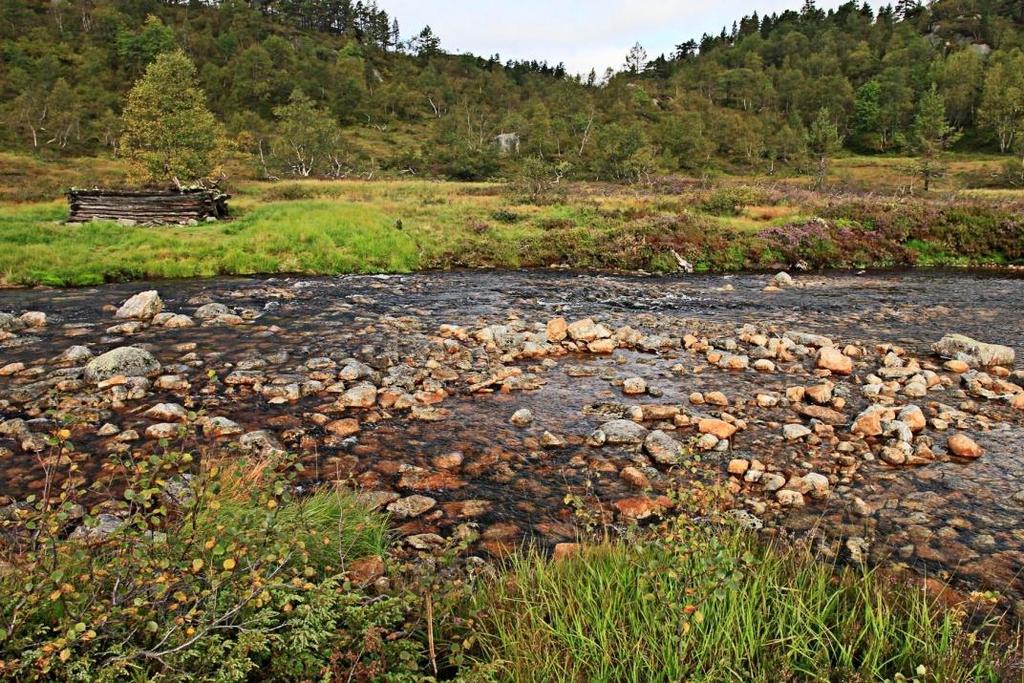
[(583, 34)]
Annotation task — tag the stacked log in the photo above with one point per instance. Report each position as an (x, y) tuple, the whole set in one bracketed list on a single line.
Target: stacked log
[(156, 207)]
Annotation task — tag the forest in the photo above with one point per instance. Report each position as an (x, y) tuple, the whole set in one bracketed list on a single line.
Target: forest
[(332, 88)]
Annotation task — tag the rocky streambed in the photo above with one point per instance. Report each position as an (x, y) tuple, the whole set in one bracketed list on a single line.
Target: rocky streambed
[(492, 407)]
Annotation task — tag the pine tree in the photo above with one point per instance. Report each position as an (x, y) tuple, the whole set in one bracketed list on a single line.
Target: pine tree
[(636, 60), (932, 134)]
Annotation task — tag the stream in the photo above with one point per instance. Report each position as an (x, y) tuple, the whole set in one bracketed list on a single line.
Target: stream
[(278, 365)]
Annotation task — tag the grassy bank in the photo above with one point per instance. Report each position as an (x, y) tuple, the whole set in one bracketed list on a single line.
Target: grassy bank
[(322, 227), (225, 575)]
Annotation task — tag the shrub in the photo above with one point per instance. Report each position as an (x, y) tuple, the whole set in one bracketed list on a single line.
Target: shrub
[(198, 574)]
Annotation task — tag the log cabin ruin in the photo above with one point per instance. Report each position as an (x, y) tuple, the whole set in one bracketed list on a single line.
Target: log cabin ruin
[(150, 207)]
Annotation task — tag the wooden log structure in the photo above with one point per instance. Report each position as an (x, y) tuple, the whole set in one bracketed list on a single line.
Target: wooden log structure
[(156, 207)]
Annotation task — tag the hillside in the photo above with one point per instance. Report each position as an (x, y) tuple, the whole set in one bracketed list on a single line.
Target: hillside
[(742, 101)]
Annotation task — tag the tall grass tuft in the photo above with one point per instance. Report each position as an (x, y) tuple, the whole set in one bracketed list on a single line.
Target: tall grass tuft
[(717, 606)]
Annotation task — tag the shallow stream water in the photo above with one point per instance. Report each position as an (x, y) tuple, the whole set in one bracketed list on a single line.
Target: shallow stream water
[(960, 519)]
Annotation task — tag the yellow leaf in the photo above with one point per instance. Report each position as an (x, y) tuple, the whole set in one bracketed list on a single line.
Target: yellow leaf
[(197, 564), (209, 544), (271, 504), (229, 564), (65, 655)]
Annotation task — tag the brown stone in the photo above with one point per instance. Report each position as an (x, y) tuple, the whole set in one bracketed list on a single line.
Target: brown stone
[(716, 398), (739, 466), (720, 428), (343, 427), (634, 477), (826, 415), (640, 508), (659, 412), (957, 366), (868, 423), (832, 359), (964, 446), (557, 329), (448, 461)]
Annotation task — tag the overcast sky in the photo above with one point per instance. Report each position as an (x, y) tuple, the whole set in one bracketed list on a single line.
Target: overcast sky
[(581, 33)]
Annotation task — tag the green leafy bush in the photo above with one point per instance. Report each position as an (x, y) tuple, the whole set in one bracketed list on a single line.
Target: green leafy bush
[(195, 574)]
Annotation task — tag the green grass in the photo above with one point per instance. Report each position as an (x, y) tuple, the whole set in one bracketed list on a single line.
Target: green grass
[(726, 609), (293, 237), (330, 227)]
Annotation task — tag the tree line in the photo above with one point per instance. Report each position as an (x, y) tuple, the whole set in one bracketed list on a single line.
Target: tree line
[(330, 88)]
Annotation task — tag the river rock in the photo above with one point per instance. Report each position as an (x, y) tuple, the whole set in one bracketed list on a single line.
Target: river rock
[(832, 359), (129, 361), (166, 412), (411, 506), (141, 306), (344, 427), (557, 330), (179, 321), (34, 319), (11, 369), (10, 323), (360, 396), (790, 499), (211, 311), (624, 432), (913, 417), (662, 448), (522, 417), (221, 426), (869, 422), (162, 430), (720, 428), (964, 446), (808, 339), (739, 466), (634, 477), (74, 355), (634, 386), (973, 352), (794, 432), (587, 331)]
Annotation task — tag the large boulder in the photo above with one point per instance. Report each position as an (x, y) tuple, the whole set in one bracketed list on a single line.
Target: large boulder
[(142, 306), (130, 361), (973, 352)]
